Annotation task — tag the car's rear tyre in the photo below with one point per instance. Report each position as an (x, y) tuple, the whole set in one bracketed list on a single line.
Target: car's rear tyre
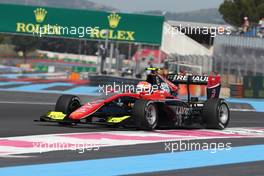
[(216, 114), (145, 114), (67, 104)]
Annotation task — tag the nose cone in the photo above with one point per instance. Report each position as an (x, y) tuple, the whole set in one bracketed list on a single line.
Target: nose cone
[(86, 110)]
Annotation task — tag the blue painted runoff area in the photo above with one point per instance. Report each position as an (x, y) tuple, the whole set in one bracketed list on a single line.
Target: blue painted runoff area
[(13, 83), (38, 87), (141, 164), (14, 76), (257, 104)]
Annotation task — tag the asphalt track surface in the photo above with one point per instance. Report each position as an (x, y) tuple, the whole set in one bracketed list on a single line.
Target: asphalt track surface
[(18, 110)]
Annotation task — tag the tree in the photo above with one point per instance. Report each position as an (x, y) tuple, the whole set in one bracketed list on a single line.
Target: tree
[(234, 11), (25, 44)]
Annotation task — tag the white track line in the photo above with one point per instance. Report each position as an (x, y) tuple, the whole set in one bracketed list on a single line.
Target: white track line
[(15, 146)]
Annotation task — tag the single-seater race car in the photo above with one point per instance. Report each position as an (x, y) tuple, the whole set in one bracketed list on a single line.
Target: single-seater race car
[(154, 104)]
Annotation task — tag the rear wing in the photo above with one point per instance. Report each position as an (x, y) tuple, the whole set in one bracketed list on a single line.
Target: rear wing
[(213, 83)]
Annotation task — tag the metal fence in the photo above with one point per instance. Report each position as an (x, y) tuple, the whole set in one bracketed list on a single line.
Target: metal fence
[(196, 64), (238, 56)]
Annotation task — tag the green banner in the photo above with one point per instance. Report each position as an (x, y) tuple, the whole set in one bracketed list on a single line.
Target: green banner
[(92, 25)]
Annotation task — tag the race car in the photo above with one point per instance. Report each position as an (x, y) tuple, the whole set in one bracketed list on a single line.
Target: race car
[(154, 104)]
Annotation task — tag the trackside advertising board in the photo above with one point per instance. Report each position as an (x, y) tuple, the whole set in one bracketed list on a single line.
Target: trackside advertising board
[(86, 24)]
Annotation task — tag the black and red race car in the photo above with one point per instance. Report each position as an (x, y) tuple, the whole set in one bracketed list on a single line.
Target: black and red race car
[(156, 105)]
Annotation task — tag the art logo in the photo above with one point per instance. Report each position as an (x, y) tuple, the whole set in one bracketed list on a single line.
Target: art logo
[(36, 28), (114, 21), (40, 14), (112, 30)]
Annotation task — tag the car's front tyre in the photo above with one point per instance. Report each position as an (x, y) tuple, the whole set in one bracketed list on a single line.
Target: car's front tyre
[(67, 104)]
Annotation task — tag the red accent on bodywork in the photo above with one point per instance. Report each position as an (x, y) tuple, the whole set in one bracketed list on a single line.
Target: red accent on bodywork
[(91, 107), (170, 84), (213, 81), (157, 95), (86, 109)]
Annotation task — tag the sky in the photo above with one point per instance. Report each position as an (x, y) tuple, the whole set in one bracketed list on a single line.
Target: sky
[(164, 5)]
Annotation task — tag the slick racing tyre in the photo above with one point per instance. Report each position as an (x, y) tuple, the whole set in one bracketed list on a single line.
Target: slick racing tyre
[(67, 104), (216, 114), (145, 114)]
